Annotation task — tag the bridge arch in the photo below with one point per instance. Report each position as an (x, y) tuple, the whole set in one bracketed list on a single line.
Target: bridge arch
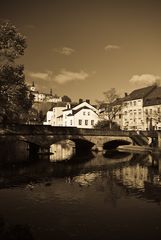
[(113, 144), (83, 138)]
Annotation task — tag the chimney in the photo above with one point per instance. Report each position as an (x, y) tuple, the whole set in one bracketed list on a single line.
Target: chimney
[(88, 101), (126, 94), (80, 100)]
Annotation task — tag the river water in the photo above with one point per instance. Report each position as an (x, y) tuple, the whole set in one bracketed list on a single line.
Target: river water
[(110, 195)]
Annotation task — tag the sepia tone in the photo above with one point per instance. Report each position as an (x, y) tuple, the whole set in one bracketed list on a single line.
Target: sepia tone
[(80, 119)]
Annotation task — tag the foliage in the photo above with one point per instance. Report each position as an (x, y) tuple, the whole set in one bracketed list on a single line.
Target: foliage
[(152, 118), (111, 104), (15, 97), (12, 43), (34, 116), (66, 99), (107, 125)]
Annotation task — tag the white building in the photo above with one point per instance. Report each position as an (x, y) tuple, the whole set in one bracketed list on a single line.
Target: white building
[(44, 97), (82, 115), (152, 110), (54, 116), (133, 115)]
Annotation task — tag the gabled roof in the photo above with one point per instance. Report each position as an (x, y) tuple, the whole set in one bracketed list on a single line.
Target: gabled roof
[(154, 98), (78, 110), (140, 93)]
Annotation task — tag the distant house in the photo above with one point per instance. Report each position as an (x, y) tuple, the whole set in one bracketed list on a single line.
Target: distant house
[(82, 115), (44, 97)]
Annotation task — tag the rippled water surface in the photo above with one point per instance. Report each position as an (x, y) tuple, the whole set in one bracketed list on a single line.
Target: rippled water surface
[(94, 196)]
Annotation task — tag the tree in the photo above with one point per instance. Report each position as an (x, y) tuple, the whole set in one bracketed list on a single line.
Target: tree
[(15, 97), (66, 99), (111, 105), (152, 118), (12, 43), (106, 125)]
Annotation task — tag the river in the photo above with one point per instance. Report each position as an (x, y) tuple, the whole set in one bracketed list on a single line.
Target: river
[(95, 196)]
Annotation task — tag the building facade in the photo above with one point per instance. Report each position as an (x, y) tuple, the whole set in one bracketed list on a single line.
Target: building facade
[(82, 115), (44, 97), (152, 110), (133, 109)]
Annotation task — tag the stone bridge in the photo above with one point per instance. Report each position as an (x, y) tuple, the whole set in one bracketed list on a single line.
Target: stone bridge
[(45, 136)]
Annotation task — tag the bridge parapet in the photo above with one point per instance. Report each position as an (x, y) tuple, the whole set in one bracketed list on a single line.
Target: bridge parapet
[(50, 130)]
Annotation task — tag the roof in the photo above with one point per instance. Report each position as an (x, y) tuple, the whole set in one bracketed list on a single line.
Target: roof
[(118, 101), (72, 105), (57, 104), (78, 110), (140, 93), (154, 98), (60, 116)]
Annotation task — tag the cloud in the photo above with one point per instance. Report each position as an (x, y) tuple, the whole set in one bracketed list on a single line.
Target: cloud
[(41, 75), (65, 51), (67, 76), (111, 47), (147, 79)]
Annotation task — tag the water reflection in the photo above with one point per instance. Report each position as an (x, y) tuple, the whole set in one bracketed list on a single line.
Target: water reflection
[(14, 231), (109, 196), (63, 150), (12, 152)]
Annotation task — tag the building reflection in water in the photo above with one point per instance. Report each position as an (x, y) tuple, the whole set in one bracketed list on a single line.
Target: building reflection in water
[(63, 150)]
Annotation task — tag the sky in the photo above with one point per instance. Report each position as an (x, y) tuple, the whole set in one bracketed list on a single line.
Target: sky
[(82, 48)]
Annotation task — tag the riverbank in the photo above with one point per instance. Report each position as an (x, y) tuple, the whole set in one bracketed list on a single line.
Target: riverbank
[(139, 149)]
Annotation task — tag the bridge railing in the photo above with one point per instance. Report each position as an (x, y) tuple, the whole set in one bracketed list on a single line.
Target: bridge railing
[(46, 129), (50, 130)]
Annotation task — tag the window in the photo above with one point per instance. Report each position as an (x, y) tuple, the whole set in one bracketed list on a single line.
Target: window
[(84, 113), (80, 121), (150, 111), (158, 110), (92, 122), (70, 122), (139, 111), (86, 122), (88, 113), (134, 103)]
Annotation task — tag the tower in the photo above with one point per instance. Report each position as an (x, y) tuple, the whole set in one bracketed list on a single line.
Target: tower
[(33, 87)]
